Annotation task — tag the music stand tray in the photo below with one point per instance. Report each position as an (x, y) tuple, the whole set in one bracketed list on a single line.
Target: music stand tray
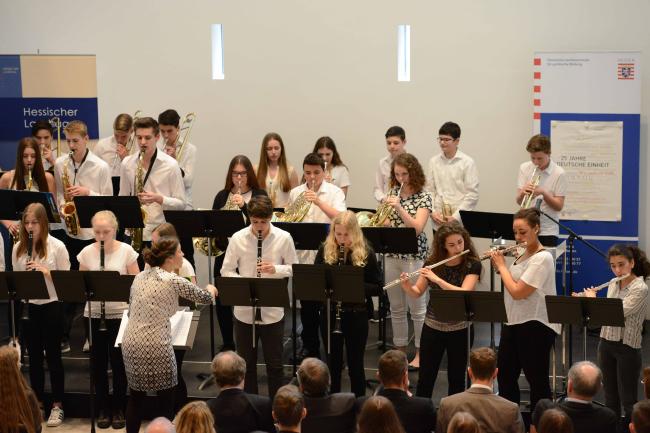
[(126, 209)]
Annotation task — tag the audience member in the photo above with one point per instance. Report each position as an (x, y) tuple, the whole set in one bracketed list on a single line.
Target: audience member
[(160, 425), (326, 412), (235, 411), (641, 417), (194, 417), (646, 382), (463, 422), (584, 382), (416, 414), (492, 412), (378, 416), (289, 409), (19, 411), (555, 421)]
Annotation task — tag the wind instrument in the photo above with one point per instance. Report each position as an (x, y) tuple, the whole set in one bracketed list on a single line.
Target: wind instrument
[(137, 232), (534, 181), (447, 210), (337, 318), (502, 249), (102, 317), (379, 217), (201, 244), (186, 126), (56, 121), (131, 141), (297, 210), (432, 266), (614, 280), (258, 312), (69, 209), (30, 254), (30, 179)]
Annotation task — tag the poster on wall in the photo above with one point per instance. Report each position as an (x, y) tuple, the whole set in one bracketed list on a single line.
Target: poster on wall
[(589, 103), (44, 87), (591, 154)]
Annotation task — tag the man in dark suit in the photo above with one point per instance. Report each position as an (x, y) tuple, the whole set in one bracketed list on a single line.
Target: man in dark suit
[(493, 413), (326, 413), (289, 409), (584, 382), (416, 414), (234, 410)]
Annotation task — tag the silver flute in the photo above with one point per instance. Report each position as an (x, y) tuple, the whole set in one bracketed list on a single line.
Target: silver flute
[(615, 280), (416, 273)]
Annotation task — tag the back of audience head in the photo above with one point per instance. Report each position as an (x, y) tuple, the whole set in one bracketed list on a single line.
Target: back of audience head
[(555, 421), (482, 364), (194, 417), (229, 370), (313, 377), (160, 425), (288, 407), (463, 422), (641, 417), (392, 369), (646, 382), (585, 380), (17, 413), (378, 416)]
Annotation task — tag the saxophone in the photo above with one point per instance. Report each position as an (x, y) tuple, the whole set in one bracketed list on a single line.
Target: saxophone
[(30, 179), (137, 232), (69, 210)]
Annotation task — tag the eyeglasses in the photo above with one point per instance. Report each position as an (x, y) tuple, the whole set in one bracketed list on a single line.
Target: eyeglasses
[(240, 173), (445, 139)]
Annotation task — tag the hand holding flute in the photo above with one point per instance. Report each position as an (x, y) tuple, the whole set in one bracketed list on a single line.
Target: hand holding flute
[(590, 292)]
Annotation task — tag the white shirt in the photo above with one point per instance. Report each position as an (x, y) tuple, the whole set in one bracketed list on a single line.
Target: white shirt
[(537, 271), (117, 260), (635, 301), (164, 179), (340, 176), (327, 193), (57, 260), (552, 179), (106, 149), (187, 162), (46, 163), (454, 180), (93, 174), (382, 178), (241, 255), (279, 197)]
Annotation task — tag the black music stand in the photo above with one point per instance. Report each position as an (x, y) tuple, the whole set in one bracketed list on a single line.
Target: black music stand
[(306, 236), (14, 203), (470, 306), (77, 286), (494, 226), (326, 283), (388, 240), (253, 292), (583, 311), (207, 223), (126, 209), (17, 285), (115, 180)]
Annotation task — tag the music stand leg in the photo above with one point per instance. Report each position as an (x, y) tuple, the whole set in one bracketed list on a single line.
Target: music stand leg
[(469, 343), (293, 330), (208, 379), (12, 313), (91, 364), (584, 342), (328, 304), (492, 340)]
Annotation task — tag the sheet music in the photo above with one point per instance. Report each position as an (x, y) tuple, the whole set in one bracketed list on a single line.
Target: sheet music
[(180, 327)]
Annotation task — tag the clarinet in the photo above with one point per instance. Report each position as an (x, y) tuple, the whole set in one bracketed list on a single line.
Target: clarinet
[(30, 253), (337, 319), (102, 320), (258, 312)]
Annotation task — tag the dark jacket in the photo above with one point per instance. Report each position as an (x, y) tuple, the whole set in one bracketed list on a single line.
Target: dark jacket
[(586, 417), (330, 413), (416, 414), (235, 411)]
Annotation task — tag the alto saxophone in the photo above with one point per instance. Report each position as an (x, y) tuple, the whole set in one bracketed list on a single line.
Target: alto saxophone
[(69, 210), (137, 232)]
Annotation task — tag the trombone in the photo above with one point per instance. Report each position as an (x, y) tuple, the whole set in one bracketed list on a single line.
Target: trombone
[(131, 141), (56, 122), (184, 131)]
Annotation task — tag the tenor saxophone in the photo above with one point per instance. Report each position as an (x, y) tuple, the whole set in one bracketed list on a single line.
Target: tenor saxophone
[(137, 232), (69, 210)]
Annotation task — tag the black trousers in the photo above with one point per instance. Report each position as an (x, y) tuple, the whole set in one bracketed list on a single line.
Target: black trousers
[(354, 328), (43, 331), (433, 345), (310, 319), (526, 347), (271, 338), (180, 392), (74, 247), (103, 350), (188, 248), (621, 366), (135, 408), (224, 312)]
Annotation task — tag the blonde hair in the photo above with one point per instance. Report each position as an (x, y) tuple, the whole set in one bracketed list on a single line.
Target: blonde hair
[(108, 216), (194, 417), (123, 123), (358, 247), (76, 127)]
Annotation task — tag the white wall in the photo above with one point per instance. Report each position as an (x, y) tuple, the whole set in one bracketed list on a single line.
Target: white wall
[(306, 69)]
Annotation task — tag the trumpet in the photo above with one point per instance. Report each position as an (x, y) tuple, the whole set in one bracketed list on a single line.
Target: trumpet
[(602, 286), (534, 181), (379, 217), (447, 210), (337, 319), (69, 209), (102, 317)]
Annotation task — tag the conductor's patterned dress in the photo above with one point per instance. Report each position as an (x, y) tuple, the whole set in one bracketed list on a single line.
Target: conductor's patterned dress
[(147, 344)]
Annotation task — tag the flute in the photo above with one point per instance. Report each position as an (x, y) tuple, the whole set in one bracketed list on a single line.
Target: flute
[(504, 251), (416, 273), (615, 280)]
